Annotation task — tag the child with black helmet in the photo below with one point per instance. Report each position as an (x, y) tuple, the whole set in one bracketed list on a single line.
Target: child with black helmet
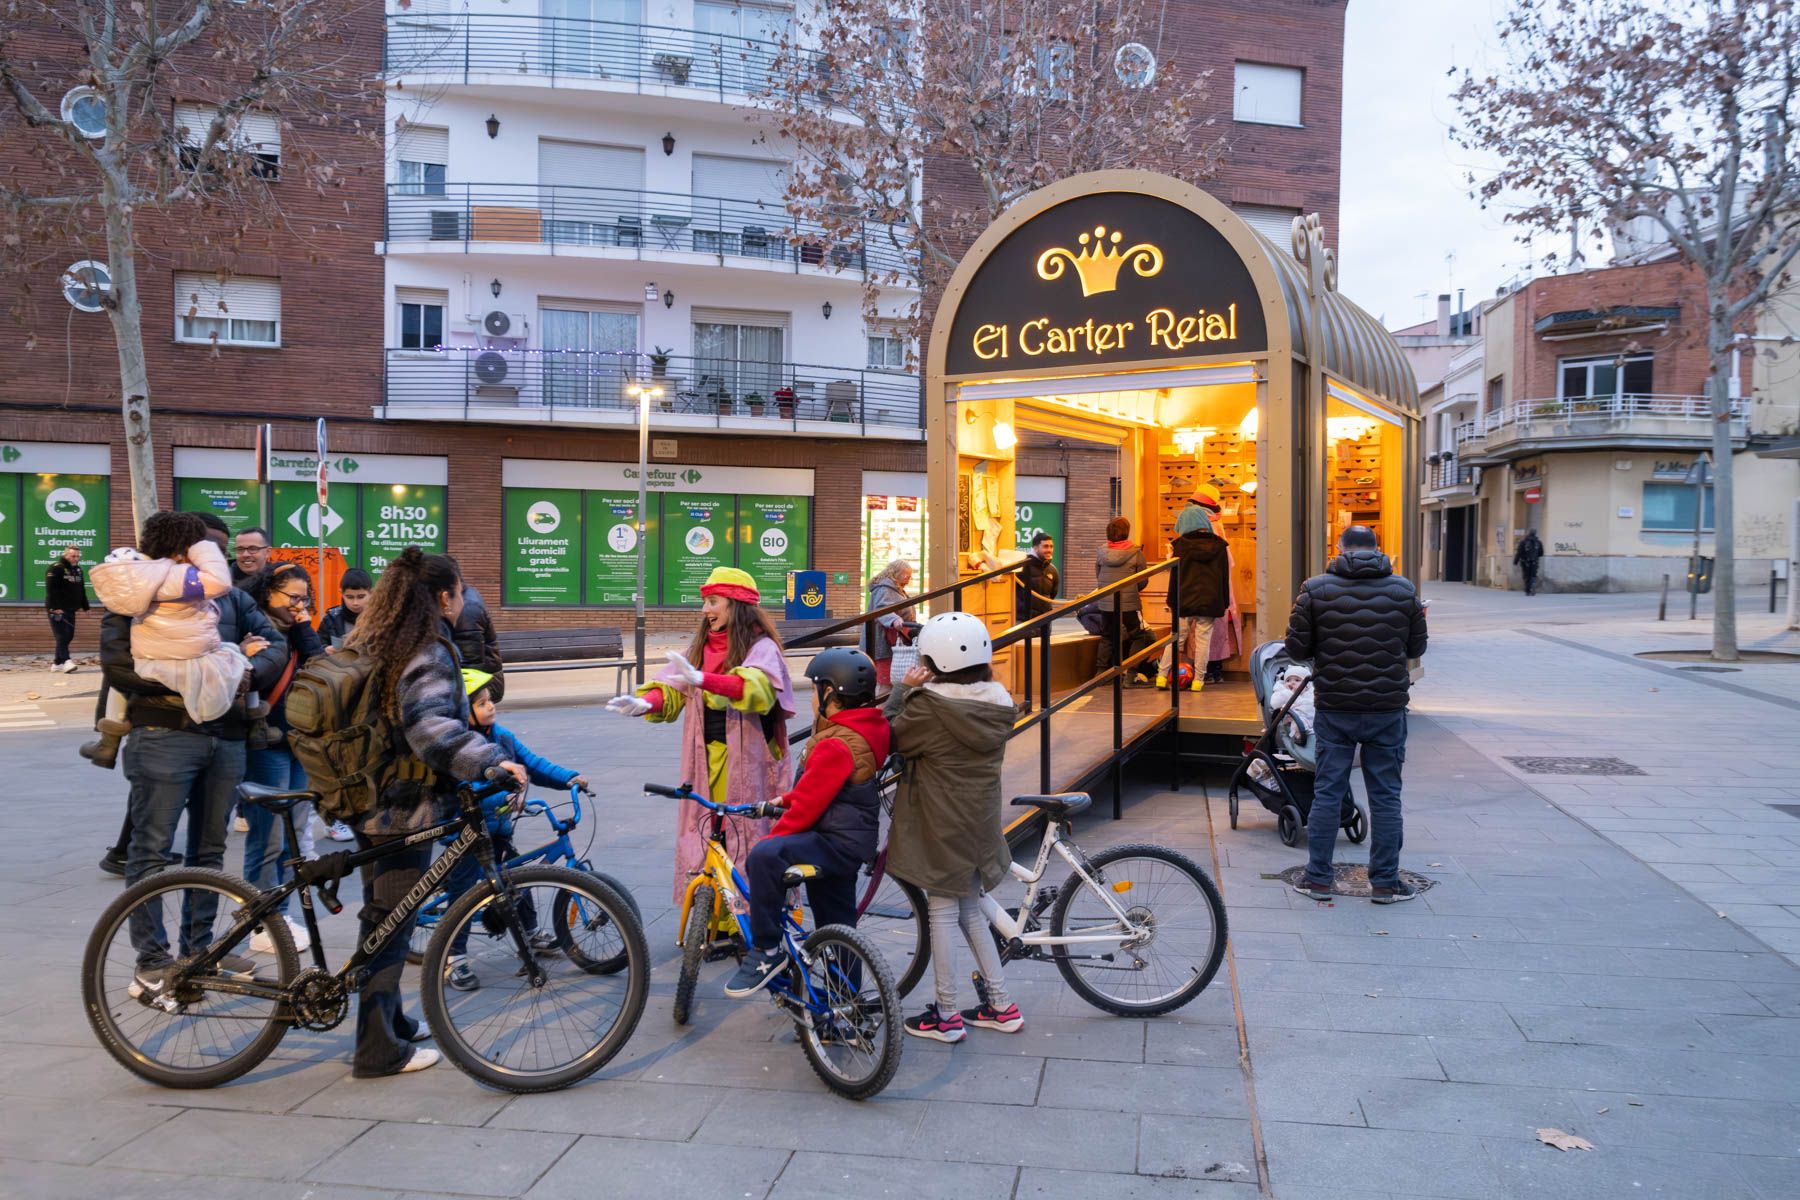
[(830, 819)]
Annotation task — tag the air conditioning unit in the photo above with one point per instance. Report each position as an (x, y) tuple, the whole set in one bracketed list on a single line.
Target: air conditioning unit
[(499, 324), (446, 225), (497, 374)]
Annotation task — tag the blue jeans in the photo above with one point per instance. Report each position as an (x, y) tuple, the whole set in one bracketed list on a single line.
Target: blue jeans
[(171, 770), (267, 847), (1382, 736)]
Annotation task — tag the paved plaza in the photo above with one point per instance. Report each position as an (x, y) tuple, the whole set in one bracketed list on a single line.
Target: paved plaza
[(1613, 956)]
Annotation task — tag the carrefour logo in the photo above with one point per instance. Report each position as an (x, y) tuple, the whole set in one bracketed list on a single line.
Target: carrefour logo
[(11, 454)]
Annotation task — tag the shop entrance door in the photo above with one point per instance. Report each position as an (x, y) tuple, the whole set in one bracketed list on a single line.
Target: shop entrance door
[(1459, 555)]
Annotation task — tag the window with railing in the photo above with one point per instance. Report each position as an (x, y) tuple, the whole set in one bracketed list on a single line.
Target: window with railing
[(588, 360), (1604, 378)]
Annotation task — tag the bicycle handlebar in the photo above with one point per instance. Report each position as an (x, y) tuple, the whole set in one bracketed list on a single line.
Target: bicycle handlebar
[(686, 792)]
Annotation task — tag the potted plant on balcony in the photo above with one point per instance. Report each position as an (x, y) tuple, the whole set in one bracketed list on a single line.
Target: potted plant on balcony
[(784, 402), (755, 402), (659, 362)]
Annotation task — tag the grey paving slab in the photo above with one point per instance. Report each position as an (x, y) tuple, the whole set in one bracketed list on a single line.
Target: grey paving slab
[(252, 1145), (1412, 1163), (440, 1096), (1771, 1178), (661, 1111), (1197, 1148), (1612, 1068), (72, 1132), (1660, 1029), (1077, 1139), (1143, 1088), (1537, 1172), (1478, 1110), (1039, 1184), (54, 1181), (1191, 1044), (817, 1175), (880, 1126), (1351, 1054), (627, 1169), (445, 1158)]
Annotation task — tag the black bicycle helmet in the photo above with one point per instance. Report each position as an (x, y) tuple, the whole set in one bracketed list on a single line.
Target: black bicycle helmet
[(848, 672)]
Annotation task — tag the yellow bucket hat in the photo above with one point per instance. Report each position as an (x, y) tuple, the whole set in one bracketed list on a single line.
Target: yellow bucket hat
[(732, 584)]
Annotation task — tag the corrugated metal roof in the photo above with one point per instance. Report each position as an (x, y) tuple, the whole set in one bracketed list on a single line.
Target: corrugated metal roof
[(1357, 349)]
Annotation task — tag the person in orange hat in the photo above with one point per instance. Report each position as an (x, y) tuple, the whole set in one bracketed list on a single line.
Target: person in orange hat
[(732, 691)]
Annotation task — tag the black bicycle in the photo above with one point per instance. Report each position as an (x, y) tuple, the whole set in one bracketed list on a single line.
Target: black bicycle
[(201, 1011)]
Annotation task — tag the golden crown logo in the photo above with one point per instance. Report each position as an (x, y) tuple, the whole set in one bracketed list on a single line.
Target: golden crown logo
[(1098, 260)]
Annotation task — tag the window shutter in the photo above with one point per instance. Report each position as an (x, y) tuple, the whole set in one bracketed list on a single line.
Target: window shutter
[(422, 143), (1272, 221), (756, 180), (259, 130), (247, 298), (406, 295), (740, 316), (582, 164), (1268, 95)]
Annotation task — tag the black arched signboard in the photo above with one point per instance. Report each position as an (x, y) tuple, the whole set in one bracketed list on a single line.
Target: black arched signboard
[(1110, 277)]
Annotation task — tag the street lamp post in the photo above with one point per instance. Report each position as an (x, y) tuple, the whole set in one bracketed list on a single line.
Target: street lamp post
[(644, 395)]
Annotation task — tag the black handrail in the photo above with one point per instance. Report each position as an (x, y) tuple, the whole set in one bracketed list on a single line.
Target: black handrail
[(869, 618)]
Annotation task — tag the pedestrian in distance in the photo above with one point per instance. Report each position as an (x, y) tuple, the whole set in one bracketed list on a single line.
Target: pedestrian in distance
[(1359, 624), (1527, 557), (1204, 595), (65, 594), (1038, 582), (830, 820), (951, 721), (896, 628), (731, 693), (1121, 558), (406, 631)]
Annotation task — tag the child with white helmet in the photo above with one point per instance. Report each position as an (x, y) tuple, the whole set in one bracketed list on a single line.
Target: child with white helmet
[(950, 722)]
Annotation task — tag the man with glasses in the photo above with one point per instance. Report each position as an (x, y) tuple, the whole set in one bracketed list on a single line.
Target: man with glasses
[(252, 553)]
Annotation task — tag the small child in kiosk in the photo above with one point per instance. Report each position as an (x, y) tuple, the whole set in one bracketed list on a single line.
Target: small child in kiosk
[(830, 819), (467, 873)]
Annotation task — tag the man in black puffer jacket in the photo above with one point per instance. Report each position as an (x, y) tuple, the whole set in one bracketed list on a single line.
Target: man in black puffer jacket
[(1359, 623)]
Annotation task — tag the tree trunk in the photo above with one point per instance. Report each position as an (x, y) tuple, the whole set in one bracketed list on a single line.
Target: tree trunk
[(127, 315), (1724, 356)]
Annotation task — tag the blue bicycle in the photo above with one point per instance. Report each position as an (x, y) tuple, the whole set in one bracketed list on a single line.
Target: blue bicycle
[(569, 917), (836, 987)]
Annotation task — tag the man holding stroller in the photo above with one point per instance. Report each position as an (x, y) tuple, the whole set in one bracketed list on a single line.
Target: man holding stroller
[(1359, 623)]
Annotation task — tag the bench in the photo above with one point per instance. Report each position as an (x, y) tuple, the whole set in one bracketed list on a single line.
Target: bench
[(523, 650), (798, 628)]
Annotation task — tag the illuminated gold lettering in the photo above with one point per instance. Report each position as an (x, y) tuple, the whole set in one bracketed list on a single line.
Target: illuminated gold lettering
[(1026, 328), (1187, 331), (1159, 322), (985, 337), (1214, 328), (1234, 320)]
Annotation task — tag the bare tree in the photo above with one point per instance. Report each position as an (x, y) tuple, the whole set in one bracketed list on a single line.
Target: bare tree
[(94, 85), (1676, 113), (927, 130)]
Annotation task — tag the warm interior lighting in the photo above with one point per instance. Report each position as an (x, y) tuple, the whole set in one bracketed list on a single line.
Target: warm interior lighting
[(1192, 441), (1250, 423), (1248, 487), (1348, 429), (1004, 437)]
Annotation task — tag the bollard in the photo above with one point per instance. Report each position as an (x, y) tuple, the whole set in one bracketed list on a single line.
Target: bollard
[(1662, 607), (1773, 579)]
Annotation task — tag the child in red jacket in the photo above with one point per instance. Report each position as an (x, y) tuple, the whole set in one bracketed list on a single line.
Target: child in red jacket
[(831, 819)]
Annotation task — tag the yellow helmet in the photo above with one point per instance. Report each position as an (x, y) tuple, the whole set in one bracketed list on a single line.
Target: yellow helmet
[(474, 681)]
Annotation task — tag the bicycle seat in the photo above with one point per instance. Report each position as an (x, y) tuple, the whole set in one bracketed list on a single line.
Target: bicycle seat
[(272, 798), (1061, 806), (798, 874)]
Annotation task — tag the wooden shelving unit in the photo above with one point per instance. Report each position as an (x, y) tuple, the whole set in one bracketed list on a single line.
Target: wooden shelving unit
[(1228, 460), (1354, 489)]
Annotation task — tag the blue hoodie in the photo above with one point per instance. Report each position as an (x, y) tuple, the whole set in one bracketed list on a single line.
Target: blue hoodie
[(1192, 517), (540, 770)]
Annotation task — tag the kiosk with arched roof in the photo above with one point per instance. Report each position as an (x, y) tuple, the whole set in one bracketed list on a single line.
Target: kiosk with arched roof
[(1132, 309)]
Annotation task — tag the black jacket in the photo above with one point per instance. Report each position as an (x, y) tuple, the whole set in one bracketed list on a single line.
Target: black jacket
[(1358, 623), (337, 622), (1528, 553), (476, 640), (1040, 576), (152, 704), (1205, 587), (65, 588)]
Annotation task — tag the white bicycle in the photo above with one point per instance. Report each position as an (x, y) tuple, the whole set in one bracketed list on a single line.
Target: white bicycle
[(1136, 930)]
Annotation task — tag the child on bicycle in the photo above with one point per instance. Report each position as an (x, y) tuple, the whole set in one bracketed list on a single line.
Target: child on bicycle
[(830, 819), (467, 873), (951, 721)]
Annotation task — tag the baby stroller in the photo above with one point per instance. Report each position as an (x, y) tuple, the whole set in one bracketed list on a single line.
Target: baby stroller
[(1278, 767)]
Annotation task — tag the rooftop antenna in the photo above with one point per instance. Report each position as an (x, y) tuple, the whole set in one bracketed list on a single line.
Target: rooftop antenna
[(1423, 297)]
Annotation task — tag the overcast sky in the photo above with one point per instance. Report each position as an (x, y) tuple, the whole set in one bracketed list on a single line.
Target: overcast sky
[(1406, 200)]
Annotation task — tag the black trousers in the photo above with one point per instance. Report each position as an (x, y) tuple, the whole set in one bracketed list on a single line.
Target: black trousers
[(832, 893), (62, 624), (383, 1030), (1531, 574)]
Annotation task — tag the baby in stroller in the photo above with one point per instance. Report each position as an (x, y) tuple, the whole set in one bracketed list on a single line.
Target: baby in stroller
[(1278, 767)]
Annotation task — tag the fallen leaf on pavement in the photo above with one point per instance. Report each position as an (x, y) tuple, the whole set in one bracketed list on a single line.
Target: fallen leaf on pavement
[(1381, 933), (31, 695), (1635, 1103), (1563, 1141), (1605, 1110)]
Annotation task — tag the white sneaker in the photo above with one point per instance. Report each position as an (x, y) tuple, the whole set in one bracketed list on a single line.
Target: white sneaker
[(302, 939), (261, 942), (241, 825), (340, 832), (422, 1059), (67, 667)]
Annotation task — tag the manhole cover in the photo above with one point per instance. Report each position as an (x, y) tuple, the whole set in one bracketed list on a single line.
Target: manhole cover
[(1352, 879), (1573, 766)]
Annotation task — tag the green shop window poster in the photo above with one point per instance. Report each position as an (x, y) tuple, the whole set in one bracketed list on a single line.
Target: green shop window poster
[(12, 531), (300, 521), (398, 515), (62, 510), (696, 537), (540, 562), (612, 548), (1032, 518), (774, 537), (236, 502)]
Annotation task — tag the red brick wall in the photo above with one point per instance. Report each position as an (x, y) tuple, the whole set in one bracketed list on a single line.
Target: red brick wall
[(1680, 359)]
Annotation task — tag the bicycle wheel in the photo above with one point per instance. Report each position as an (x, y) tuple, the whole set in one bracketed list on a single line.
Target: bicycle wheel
[(195, 1037), (853, 1042), (584, 933), (510, 1034), (1172, 899), (614, 884), (893, 917), (430, 913), (693, 951)]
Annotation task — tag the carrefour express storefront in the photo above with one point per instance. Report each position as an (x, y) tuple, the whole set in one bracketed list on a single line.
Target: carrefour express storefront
[(52, 495)]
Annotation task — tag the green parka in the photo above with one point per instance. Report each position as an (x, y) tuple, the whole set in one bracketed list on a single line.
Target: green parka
[(947, 830)]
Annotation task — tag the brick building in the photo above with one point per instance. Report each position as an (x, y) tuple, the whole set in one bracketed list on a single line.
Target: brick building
[(470, 321)]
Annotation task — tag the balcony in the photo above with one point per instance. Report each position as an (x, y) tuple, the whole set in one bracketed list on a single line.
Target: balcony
[(1448, 477), (579, 387), (627, 223), (527, 49), (1647, 422)]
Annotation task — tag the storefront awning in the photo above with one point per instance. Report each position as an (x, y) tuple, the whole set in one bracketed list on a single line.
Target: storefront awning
[(1594, 320), (1357, 349)]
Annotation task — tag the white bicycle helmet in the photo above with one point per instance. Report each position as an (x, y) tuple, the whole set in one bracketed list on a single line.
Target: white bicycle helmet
[(955, 640)]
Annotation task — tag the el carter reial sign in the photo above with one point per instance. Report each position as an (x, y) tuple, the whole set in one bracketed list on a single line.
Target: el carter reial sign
[(1111, 277)]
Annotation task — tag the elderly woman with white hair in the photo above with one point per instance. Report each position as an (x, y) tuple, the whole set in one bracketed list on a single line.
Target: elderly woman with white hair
[(889, 588)]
